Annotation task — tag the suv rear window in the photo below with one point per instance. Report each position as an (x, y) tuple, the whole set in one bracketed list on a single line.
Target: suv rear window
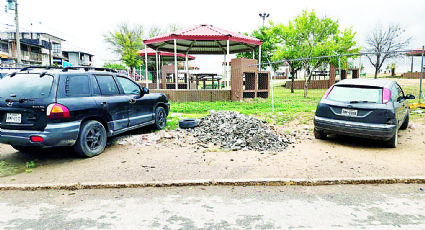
[(355, 94), (77, 86), (26, 86)]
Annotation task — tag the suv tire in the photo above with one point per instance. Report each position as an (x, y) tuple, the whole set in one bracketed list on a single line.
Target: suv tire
[(188, 123), (160, 118), (91, 139)]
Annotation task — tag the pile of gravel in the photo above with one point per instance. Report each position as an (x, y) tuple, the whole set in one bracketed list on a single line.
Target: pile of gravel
[(235, 131)]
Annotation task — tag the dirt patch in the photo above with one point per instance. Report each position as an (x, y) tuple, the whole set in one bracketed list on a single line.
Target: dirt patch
[(172, 155)]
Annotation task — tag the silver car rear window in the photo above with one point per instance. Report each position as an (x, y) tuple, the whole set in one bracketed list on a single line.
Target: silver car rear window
[(355, 94)]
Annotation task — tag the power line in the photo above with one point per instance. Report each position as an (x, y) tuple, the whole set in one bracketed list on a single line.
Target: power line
[(332, 56)]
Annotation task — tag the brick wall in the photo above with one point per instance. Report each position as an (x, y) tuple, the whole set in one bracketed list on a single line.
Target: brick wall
[(314, 84), (415, 75), (194, 95)]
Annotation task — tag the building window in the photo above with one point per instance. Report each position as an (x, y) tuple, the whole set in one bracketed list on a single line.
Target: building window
[(56, 48)]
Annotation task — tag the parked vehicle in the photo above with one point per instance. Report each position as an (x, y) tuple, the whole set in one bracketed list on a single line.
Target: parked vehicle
[(367, 108), (5, 71), (74, 106)]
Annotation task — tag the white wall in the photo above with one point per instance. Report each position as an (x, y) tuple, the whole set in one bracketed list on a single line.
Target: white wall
[(74, 59)]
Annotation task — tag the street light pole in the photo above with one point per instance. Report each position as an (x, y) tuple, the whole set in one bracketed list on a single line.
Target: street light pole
[(264, 16), (17, 37)]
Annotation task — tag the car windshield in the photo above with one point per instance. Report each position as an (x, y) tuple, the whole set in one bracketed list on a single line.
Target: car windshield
[(26, 86), (351, 94)]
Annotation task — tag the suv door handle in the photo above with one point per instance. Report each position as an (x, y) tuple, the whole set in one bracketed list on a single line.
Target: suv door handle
[(132, 101), (104, 103)]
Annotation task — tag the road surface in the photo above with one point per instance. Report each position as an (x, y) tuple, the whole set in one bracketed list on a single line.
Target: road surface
[(399, 206)]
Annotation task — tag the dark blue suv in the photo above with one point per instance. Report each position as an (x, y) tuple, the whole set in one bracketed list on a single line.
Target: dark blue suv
[(74, 106), (368, 108)]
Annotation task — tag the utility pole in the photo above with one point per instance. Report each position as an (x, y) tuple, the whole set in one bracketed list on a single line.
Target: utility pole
[(264, 16), (13, 5)]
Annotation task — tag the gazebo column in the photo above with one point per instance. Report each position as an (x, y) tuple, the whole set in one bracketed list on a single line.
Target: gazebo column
[(176, 76), (187, 71), (411, 65), (157, 69), (259, 59), (146, 65), (227, 63)]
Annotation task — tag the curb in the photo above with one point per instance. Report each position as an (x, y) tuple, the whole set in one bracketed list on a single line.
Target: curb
[(214, 182)]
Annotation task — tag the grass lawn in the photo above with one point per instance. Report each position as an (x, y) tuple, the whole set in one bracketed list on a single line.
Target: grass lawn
[(288, 106)]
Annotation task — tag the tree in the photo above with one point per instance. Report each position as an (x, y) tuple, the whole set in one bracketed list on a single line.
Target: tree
[(114, 66), (286, 48), (309, 37), (267, 47), (126, 41), (385, 42)]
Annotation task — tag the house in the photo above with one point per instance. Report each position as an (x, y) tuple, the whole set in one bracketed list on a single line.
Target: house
[(78, 58), (36, 49)]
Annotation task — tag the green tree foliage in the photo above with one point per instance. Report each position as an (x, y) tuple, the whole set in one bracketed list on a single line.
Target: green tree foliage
[(114, 66), (308, 36), (267, 47), (126, 41)]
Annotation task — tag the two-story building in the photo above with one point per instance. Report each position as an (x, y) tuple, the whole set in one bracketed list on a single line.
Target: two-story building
[(36, 49), (78, 58)]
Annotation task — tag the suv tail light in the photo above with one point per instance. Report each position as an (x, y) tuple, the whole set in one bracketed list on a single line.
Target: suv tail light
[(327, 92), (386, 95), (57, 111)]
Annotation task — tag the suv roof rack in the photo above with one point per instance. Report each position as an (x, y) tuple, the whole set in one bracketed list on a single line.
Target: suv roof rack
[(85, 68), (38, 67)]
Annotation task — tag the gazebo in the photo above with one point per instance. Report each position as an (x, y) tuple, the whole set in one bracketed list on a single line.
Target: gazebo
[(414, 53), (203, 39), (161, 57)]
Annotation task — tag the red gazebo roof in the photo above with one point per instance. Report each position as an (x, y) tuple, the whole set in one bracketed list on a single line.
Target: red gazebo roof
[(416, 52), (203, 39), (168, 56)]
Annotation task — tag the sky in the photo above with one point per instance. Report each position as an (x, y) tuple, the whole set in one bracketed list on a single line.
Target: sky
[(82, 23)]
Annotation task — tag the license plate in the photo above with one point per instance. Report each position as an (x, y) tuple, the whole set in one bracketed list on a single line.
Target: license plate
[(13, 117), (349, 112)]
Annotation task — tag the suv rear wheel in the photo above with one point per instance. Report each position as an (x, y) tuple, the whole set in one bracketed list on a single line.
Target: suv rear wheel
[(91, 140)]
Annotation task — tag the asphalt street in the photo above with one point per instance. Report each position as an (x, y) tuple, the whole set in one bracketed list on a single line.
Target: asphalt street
[(397, 206)]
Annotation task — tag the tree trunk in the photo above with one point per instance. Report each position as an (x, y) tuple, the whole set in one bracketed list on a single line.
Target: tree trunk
[(292, 81), (307, 82), (378, 64)]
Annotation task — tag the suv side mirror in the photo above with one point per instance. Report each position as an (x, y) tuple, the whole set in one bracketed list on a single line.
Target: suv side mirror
[(409, 96), (144, 91)]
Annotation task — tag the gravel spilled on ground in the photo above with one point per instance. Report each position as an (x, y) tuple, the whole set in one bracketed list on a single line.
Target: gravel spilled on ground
[(228, 130), (235, 131)]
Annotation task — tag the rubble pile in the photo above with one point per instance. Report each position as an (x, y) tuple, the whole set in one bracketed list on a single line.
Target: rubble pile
[(235, 131)]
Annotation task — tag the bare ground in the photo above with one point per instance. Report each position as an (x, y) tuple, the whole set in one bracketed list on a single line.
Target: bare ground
[(183, 159)]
